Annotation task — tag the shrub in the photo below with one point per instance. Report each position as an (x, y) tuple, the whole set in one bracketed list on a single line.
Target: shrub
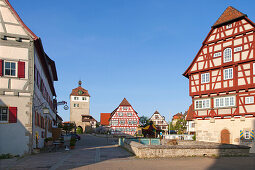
[(194, 137), (48, 139), (79, 130)]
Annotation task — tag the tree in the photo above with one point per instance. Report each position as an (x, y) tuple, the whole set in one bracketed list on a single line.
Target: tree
[(144, 121), (180, 125), (68, 127)]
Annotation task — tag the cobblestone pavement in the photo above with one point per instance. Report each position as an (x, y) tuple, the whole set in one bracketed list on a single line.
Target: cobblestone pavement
[(98, 153)]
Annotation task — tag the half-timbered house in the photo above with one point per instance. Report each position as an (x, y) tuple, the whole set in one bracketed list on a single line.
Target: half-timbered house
[(124, 119), (159, 121), (222, 81), (27, 94)]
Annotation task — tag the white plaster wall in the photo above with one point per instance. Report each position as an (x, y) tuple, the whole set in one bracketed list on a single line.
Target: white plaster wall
[(13, 136)]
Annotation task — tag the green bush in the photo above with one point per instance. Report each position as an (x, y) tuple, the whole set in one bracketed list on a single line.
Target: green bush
[(48, 139), (194, 137), (79, 130), (6, 156)]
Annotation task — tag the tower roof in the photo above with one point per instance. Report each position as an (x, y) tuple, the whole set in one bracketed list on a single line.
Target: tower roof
[(125, 103), (79, 91), (228, 15)]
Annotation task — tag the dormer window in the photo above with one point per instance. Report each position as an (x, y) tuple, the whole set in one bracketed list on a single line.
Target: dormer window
[(227, 55), (228, 26)]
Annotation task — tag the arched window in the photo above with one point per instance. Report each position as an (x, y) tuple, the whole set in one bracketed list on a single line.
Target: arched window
[(227, 55)]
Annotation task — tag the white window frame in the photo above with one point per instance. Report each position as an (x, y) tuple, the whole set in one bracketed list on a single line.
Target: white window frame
[(237, 49), (129, 114), (249, 100), (227, 55), (125, 108), (217, 54), (16, 68), (246, 134), (228, 101), (204, 103), (228, 74), (120, 114), (114, 123), (7, 114), (205, 78), (84, 98), (76, 98)]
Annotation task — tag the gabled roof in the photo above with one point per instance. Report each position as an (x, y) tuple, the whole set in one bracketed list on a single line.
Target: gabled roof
[(76, 91), (39, 48), (156, 112), (104, 118), (190, 115), (125, 103), (228, 15), (178, 116)]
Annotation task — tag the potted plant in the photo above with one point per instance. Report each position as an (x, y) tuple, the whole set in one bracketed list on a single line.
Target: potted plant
[(72, 143)]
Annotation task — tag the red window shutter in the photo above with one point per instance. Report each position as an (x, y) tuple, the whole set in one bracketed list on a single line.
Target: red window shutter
[(1, 67), (21, 69), (12, 114)]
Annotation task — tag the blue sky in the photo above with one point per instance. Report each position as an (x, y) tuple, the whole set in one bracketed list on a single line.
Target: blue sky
[(136, 49)]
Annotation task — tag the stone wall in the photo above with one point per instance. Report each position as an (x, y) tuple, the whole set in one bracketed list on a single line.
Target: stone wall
[(211, 149)]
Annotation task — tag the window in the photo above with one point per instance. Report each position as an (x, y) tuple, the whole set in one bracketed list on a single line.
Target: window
[(122, 122), (247, 134), (129, 114), (227, 55), (83, 98), (192, 125), (10, 68), (125, 108), (228, 26), (224, 101), (134, 122), (120, 114), (3, 114), (205, 78), (75, 105), (114, 123), (202, 104), (217, 54), (238, 49), (130, 122), (76, 98), (253, 68), (249, 100), (156, 117), (228, 73)]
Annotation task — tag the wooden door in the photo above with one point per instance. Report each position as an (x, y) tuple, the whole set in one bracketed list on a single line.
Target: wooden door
[(225, 136)]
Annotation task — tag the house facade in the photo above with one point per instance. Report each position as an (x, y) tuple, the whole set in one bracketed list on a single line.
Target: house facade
[(28, 105), (124, 119), (80, 108), (159, 121), (222, 81)]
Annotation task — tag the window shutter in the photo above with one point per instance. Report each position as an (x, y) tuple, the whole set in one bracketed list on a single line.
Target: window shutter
[(21, 69), (241, 135), (1, 67), (12, 114)]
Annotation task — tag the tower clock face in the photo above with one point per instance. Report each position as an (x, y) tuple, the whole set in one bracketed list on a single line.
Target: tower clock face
[(80, 92)]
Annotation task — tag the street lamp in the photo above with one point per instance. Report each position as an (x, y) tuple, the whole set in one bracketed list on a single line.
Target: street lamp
[(46, 110)]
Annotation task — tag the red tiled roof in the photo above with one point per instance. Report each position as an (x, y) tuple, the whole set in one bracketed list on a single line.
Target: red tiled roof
[(125, 103), (178, 116), (75, 92), (228, 15), (190, 114), (104, 118)]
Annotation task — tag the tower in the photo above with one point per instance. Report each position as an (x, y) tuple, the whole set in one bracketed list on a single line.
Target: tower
[(79, 104)]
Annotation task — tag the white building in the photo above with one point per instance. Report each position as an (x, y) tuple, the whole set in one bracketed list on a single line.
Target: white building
[(159, 121), (27, 78)]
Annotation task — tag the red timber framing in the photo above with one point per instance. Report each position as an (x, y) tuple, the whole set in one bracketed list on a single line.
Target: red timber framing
[(235, 32), (124, 119)]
